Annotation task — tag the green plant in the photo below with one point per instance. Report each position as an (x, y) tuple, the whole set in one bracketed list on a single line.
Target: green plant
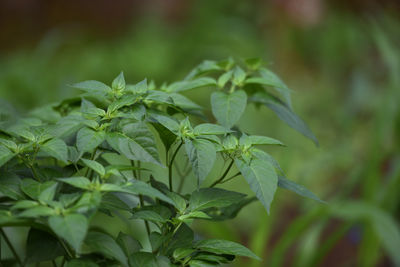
[(99, 152)]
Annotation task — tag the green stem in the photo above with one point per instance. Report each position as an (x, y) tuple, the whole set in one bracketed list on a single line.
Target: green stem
[(141, 201), (63, 262), (230, 178), (223, 175), (53, 262), (11, 247), (91, 158), (170, 166), (65, 247)]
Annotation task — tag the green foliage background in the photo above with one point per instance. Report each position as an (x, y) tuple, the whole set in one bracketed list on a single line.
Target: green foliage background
[(345, 75)]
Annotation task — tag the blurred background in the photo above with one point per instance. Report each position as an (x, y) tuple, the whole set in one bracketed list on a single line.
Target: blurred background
[(341, 59)]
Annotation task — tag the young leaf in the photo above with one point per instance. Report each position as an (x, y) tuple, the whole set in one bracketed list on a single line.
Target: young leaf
[(48, 194), (88, 139), (71, 227), (238, 75), (128, 244), (94, 165), (213, 198), (192, 84), (224, 78), (79, 182), (261, 177), (97, 242), (264, 140), (283, 182), (228, 108), (33, 188), (225, 247), (36, 212), (139, 88), (10, 186), (56, 148), (118, 83), (93, 87), (202, 156), (209, 129)]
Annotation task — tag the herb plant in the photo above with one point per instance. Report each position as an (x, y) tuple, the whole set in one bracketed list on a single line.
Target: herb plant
[(97, 153)]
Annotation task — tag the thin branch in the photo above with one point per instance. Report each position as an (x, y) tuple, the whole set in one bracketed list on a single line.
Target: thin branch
[(170, 166), (11, 247), (223, 175)]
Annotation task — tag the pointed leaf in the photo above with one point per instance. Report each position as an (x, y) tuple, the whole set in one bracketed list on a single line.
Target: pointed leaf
[(56, 148), (202, 155), (210, 129), (71, 227), (228, 108), (261, 177), (94, 165), (225, 247), (93, 87), (283, 182), (213, 198)]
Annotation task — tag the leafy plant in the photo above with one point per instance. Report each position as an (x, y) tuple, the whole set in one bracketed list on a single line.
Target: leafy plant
[(97, 153)]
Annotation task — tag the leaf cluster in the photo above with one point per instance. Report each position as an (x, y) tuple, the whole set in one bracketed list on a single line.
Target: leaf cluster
[(63, 164)]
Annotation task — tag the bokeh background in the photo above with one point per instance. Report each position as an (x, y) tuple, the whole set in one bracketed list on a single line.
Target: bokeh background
[(341, 59)]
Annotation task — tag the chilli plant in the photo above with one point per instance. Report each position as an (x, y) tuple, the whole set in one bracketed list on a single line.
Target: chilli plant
[(63, 164)]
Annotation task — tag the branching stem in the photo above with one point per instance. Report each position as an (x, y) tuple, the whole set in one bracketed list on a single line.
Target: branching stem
[(223, 175), (170, 166)]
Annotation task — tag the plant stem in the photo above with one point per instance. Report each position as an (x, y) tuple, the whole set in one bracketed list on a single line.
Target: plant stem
[(11, 247), (170, 166), (230, 178), (63, 262), (91, 158), (141, 201), (223, 175), (65, 247)]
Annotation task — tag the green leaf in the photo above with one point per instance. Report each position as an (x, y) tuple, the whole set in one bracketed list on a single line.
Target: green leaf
[(166, 121), (283, 182), (41, 246), (140, 149), (5, 155), (93, 87), (269, 78), (213, 198), (8, 144), (24, 204), (47, 195), (179, 202), (33, 188), (285, 114), (79, 182), (71, 227), (184, 102), (141, 134), (228, 108), (94, 165), (56, 148), (253, 63), (192, 84), (36, 212), (159, 97), (181, 253), (224, 78), (118, 83), (137, 188), (202, 155), (263, 140), (144, 259), (210, 129), (139, 88), (194, 215), (97, 242), (225, 247), (126, 100), (200, 263), (10, 186), (87, 140), (238, 75), (261, 177), (128, 244), (148, 215), (66, 126)]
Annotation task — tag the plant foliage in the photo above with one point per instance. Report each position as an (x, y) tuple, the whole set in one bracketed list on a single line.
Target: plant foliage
[(67, 162)]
